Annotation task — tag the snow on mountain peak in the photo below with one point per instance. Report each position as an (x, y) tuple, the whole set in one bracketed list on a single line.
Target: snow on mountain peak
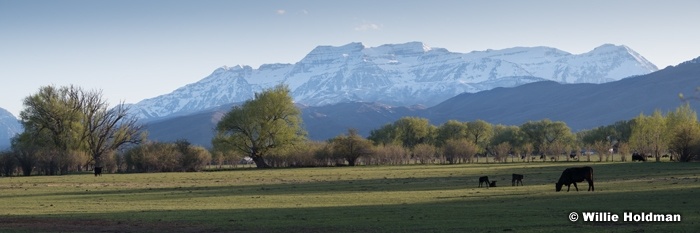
[(405, 48), (398, 74), (9, 127)]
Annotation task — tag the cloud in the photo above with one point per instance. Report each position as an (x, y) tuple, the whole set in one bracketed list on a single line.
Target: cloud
[(280, 11), (368, 26)]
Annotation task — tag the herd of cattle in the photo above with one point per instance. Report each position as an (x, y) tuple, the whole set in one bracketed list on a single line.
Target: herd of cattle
[(568, 177)]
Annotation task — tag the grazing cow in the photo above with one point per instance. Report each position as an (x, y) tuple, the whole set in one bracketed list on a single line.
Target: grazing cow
[(517, 178), (98, 171), (638, 157), (573, 175), (492, 184), (484, 179)]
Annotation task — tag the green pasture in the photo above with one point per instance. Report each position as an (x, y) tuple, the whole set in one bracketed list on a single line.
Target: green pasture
[(411, 198)]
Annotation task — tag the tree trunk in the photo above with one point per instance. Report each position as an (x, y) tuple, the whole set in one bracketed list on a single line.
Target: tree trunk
[(351, 161), (259, 161)]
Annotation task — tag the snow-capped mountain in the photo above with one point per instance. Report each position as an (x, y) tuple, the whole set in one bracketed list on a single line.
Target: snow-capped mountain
[(398, 74), (9, 127)]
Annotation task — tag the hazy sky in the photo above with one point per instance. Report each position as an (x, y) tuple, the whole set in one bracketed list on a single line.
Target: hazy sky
[(132, 50)]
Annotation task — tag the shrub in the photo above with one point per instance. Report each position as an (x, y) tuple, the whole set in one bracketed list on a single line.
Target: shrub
[(8, 163), (166, 157)]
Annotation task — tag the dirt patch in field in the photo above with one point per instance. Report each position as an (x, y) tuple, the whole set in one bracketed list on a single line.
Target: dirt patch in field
[(21, 224)]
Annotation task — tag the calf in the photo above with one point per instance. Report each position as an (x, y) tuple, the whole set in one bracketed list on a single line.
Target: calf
[(484, 179), (517, 178), (98, 171), (492, 184), (573, 175)]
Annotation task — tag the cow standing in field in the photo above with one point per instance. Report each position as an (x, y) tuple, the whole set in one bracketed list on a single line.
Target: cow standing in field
[(517, 178), (98, 171), (484, 179), (573, 175), (638, 157)]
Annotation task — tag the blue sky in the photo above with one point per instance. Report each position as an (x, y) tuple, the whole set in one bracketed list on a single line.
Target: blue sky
[(132, 50)]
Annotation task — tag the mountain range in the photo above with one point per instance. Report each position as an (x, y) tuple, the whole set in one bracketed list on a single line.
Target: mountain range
[(581, 106), (354, 86), (396, 74), (9, 127)]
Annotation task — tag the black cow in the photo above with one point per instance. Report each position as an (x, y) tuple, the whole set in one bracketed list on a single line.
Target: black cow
[(98, 171), (572, 155), (517, 178), (638, 157), (492, 184), (484, 179), (573, 175)]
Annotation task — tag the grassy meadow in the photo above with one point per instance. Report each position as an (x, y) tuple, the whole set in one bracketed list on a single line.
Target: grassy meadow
[(410, 198)]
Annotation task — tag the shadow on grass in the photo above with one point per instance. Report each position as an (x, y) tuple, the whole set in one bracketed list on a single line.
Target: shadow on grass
[(535, 174), (456, 214)]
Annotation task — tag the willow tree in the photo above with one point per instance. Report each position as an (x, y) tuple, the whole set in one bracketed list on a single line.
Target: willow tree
[(684, 133), (67, 119), (412, 131), (649, 134), (268, 123), (450, 130), (542, 134)]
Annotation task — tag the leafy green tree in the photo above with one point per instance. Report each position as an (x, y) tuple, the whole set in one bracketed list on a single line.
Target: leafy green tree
[(684, 131), (384, 136), (649, 134), (685, 143), (510, 134), (412, 131), (70, 119), (451, 130), (267, 123), (351, 147), (479, 132), (544, 133), (26, 149), (618, 132), (52, 126)]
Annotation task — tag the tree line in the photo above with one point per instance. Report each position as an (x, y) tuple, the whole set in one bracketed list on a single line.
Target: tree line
[(247, 130), (68, 129)]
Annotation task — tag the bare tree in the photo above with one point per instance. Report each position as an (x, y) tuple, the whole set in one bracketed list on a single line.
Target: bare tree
[(107, 129), (425, 153)]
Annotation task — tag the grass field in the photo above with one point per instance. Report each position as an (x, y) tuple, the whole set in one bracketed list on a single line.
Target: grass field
[(412, 198)]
